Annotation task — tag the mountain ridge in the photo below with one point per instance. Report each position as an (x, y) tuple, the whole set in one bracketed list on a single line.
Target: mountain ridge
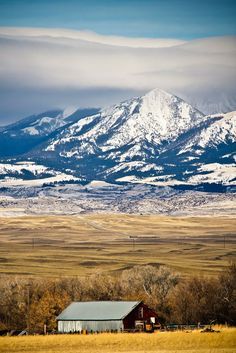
[(157, 138), (22, 136)]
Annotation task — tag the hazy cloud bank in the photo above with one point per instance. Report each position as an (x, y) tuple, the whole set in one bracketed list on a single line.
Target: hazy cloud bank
[(48, 68)]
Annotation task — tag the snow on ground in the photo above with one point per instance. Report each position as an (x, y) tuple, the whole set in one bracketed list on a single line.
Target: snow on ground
[(30, 130), (45, 125), (215, 173), (219, 131), (208, 173), (25, 162), (134, 165), (18, 168), (99, 184), (14, 174), (166, 180), (72, 199), (37, 182)]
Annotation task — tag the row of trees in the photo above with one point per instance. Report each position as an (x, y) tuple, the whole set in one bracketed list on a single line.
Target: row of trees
[(34, 303)]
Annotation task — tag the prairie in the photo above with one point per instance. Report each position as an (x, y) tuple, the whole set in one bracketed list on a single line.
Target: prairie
[(192, 342), (80, 245)]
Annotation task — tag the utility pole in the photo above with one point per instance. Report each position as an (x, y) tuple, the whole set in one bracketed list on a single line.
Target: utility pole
[(133, 241)]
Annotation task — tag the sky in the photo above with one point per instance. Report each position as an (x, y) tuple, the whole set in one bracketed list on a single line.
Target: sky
[(182, 19), (94, 53)]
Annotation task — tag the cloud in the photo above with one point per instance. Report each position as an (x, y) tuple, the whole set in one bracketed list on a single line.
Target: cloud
[(91, 36), (55, 68)]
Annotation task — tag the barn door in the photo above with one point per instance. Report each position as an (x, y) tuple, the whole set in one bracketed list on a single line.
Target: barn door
[(139, 325)]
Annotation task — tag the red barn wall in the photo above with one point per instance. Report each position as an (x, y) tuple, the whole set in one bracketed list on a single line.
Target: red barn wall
[(134, 315)]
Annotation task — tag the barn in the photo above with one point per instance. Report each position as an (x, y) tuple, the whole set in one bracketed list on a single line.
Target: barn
[(102, 316)]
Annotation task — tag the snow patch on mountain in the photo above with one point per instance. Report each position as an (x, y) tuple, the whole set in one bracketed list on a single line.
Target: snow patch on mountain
[(215, 173), (208, 173), (29, 130), (70, 135), (166, 180), (45, 125), (17, 168), (134, 165), (61, 177), (97, 184), (29, 173), (220, 131)]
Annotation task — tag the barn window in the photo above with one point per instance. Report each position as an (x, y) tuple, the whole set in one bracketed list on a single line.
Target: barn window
[(140, 313)]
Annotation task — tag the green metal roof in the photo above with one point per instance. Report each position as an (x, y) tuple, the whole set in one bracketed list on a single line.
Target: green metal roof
[(95, 311)]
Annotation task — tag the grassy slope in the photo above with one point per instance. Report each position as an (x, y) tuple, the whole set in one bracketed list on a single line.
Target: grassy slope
[(223, 342), (75, 245)]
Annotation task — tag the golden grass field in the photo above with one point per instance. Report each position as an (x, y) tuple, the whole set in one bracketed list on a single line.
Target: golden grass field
[(160, 342), (79, 245)]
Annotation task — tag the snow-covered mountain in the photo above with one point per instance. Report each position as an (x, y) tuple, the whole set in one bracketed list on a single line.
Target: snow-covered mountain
[(27, 133), (126, 137), (152, 119), (157, 139)]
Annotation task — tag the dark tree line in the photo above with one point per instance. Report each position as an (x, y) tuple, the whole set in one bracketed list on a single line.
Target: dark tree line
[(34, 303)]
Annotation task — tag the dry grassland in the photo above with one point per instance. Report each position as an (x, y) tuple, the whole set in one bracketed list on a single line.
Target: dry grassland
[(74, 245), (194, 342)]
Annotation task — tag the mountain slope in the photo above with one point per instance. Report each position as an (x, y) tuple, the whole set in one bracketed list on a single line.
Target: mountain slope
[(205, 154), (124, 137), (27, 133)]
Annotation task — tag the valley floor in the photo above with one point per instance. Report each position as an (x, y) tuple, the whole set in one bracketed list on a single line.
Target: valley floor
[(101, 197), (161, 342), (56, 246)]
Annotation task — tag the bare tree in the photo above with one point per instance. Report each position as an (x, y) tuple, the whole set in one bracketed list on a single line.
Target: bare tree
[(151, 284)]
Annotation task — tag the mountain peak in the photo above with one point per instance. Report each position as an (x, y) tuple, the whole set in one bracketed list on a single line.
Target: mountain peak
[(158, 93), (169, 114), (130, 131), (161, 98)]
